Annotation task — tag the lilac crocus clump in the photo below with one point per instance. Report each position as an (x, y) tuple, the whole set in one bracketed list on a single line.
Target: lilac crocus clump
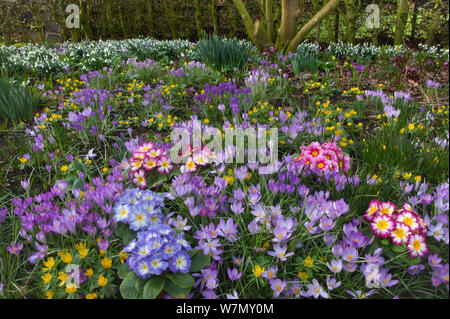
[(44, 214)]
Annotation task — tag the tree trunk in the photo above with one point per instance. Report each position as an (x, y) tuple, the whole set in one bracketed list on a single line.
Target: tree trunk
[(329, 28), (171, 17), (401, 20), (214, 16), (336, 26), (150, 25), (435, 22), (414, 23), (288, 26), (233, 21), (85, 20), (254, 30), (269, 20), (304, 31), (137, 17), (198, 18), (122, 22), (350, 18)]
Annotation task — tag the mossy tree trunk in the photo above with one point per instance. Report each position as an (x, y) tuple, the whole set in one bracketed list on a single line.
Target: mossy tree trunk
[(234, 22), (213, 9), (401, 20), (121, 20), (304, 31), (269, 20), (435, 22), (288, 26), (288, 38), (329, 27), (149, 23), (171, 18), (337, 17), (198, 17), (86, 19), (350, 18), (414, 22)]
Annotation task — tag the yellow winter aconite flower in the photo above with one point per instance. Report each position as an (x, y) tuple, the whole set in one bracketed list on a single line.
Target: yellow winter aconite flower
[(46, 278), (49, 264), (89, 272), (411, 127), (308, 262), (102, 281), (49, 294), (81, 247), (407, 175), (92, 296), (62, 276), (229, 179), (66, 257), (303, 275), (23, 160), (64, 168), (71, 288), (258, 270), (123, 256), (106, 262)]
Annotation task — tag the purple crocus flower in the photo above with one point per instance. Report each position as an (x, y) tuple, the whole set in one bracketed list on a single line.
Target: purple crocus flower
[(350, 254), (280, 252), (329, 239), (209, 294), (336, 266), (15, 248), (103, 244), (233, 274), (237, 208), (332, 284), (359, 294), (234, 295), (253, 226), (434, 260), (386, 279), (350, 267), (426, 198), (315, 290), (25, 185), (326, 223), (228, 229), (278, 286)]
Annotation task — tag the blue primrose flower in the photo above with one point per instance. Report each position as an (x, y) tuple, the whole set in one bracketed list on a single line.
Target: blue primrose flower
[(181, 262)]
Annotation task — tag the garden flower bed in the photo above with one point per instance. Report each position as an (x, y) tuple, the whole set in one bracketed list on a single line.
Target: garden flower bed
[(115, 185)]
